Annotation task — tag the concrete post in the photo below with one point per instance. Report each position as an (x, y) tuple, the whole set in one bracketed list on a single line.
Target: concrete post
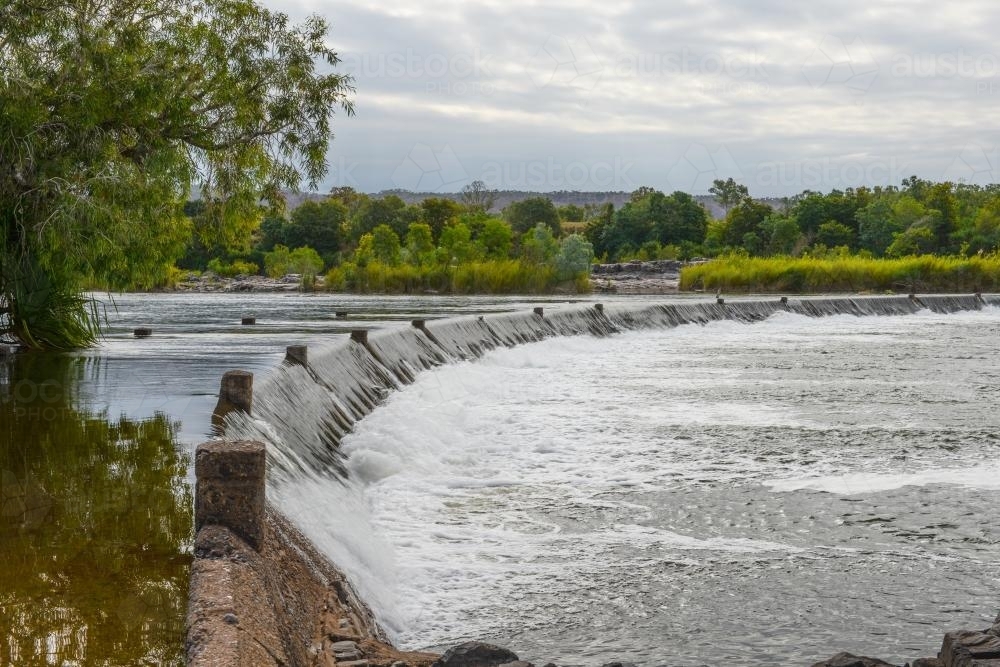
[(248, 321), (297, 355), (236, 393), (719, 300), (419, 324), (229, 489), (340, 314), (599, 307), (539, 311), (784, 300), (142, 332), (359, 336)]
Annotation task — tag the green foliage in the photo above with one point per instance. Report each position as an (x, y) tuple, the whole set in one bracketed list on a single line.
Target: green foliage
[(389, 210), (318, 225), (571, 213), (877, 225), (419, 244), (110, 112), (729, 192), (780, 234), (526, 214), (456, 245), (574, 257), (487, 277), (844, 272), (438, 213), (746, 218), (235, 268), (834, 234), (385, 245), (539, 246), (495, 239), (281, 261), (44, 314)]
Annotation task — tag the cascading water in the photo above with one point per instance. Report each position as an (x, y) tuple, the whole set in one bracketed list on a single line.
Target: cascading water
[(461, 503)]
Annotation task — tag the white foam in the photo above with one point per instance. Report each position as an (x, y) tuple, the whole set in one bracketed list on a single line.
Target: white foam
[(986, 477), (531, 469)]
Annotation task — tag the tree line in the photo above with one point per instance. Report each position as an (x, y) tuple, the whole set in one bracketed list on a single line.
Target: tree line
[(353, 228)]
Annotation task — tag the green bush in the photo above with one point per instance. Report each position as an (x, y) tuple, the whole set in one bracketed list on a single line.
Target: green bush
[(485, 277), (230, 270), (281, 261)]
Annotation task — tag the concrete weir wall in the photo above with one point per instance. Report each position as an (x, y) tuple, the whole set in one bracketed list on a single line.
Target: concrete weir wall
[(260, 593)]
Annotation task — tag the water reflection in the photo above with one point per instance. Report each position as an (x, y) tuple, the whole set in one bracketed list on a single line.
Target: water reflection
[(94, 521)]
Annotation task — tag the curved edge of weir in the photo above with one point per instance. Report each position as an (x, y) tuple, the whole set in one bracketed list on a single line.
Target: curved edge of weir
[(281, 592), (303, 412)]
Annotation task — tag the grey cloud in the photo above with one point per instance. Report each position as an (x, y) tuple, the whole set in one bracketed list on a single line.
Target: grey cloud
[(734, 88)]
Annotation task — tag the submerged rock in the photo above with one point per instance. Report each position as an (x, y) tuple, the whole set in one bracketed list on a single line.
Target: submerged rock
[(476, 654), (851, 660), (971, 648)]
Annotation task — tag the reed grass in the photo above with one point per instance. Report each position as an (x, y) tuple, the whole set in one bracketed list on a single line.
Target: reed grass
[(851, 273)]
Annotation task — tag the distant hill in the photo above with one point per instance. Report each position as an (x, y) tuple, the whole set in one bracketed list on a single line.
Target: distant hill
[(506, 197)]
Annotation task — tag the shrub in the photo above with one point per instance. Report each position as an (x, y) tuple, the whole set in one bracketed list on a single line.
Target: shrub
[(230, 270)]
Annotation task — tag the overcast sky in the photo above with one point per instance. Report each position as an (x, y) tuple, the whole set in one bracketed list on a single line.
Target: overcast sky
[(781, 95)]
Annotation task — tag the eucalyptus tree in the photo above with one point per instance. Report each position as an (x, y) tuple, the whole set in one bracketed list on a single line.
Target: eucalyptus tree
[(112, 112)]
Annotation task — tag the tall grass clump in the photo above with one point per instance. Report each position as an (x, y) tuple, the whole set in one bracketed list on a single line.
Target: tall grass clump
[(845, 273)]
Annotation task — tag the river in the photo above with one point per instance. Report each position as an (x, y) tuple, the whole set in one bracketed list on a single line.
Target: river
[(749, 494)]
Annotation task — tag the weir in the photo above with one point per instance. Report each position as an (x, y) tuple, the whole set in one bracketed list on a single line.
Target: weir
[(293, 599), (303, 410)]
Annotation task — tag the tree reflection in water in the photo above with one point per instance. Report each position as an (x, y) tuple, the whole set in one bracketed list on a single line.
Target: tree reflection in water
[(95, 524)]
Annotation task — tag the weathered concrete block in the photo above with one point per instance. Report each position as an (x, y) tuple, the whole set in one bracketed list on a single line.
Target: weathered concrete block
[(297, 355), (539, 311), (235, 393), (248, 321), (142, 332), (230, 488), (359, 335)]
